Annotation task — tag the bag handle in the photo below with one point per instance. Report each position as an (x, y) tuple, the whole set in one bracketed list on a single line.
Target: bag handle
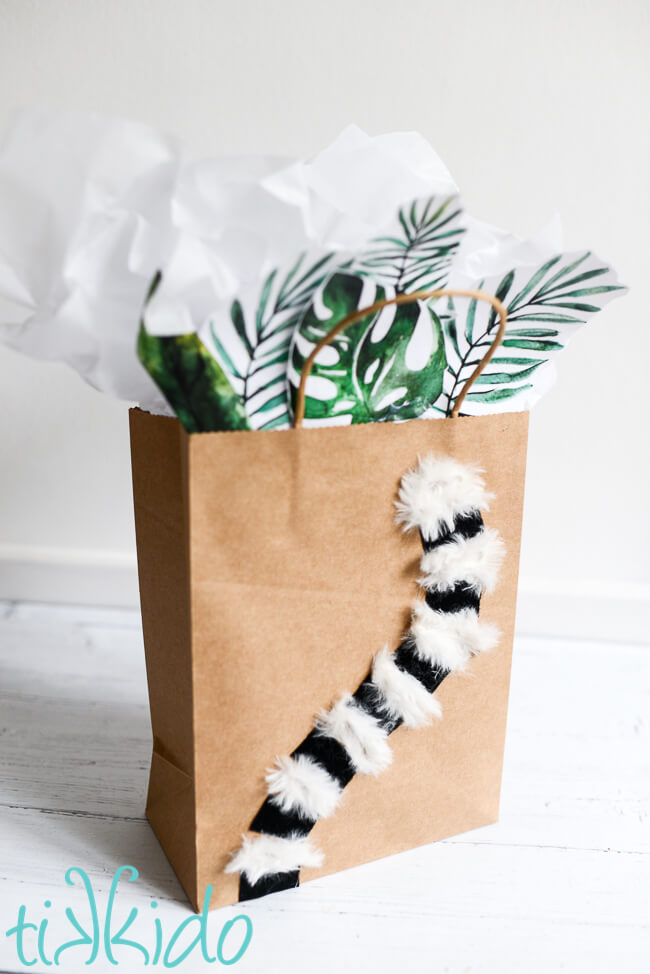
[(351, 319)]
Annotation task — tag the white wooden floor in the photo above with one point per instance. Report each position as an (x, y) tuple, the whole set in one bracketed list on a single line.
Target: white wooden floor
[(561, 884)]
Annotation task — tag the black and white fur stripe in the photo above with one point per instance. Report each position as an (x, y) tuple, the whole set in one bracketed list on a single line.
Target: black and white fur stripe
[(443, 500)]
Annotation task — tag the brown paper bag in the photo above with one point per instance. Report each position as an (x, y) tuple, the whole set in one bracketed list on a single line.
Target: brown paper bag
[(271, 570)]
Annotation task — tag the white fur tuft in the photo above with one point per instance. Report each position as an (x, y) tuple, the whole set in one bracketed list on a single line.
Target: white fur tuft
[(404, 696), (476, 561), (436, 491), (300, 784), (359, 733), (266, 855), (450, 639)]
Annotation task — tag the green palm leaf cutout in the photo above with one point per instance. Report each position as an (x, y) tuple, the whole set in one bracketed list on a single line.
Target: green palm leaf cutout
[(544, 308), (266, 338), (190, 378), (417, 256), (384, 367)]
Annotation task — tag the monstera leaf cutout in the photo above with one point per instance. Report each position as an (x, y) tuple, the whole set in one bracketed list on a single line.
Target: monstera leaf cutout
[(389, 365)]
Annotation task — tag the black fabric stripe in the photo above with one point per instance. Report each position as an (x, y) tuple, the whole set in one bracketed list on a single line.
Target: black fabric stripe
[(455, 599), (407, 659), (466, 525), (328, 752), (273, 821), (272, 883), (370, 698), (460, 596)]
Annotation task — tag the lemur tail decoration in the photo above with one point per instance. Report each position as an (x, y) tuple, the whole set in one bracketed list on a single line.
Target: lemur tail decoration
[(443, 500)]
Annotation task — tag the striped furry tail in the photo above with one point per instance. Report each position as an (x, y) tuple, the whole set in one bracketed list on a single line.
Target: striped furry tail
[(443, 500)]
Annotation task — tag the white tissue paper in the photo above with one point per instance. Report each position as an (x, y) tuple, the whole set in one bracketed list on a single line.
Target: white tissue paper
[(259, 257)]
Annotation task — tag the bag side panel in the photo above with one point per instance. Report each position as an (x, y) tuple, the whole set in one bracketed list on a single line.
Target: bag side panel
[(159, 466)]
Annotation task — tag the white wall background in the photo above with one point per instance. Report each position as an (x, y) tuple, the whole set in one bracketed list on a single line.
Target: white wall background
[(534, 107)]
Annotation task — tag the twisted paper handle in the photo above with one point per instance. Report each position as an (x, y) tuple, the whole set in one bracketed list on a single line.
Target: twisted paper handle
[(351, 319)]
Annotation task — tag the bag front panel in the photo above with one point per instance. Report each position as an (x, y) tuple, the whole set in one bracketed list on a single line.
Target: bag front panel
[(298, 576)]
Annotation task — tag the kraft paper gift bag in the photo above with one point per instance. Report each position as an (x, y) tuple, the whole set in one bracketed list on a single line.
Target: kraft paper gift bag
[(271, 571)]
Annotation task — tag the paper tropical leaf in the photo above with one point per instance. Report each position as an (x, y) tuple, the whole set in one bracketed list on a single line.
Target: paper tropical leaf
[(388, 365), (266, 339), (545, 306), (418, 255), (191, 380)]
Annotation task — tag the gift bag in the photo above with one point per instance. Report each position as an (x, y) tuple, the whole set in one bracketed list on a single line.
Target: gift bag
[(327, 611), (272, 571)]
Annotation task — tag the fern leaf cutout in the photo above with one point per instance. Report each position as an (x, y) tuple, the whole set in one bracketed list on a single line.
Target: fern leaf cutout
[(545, 305), (417, 256)]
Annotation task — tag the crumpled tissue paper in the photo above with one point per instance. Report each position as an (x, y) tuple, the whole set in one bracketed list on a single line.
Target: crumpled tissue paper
[(224, 273)]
